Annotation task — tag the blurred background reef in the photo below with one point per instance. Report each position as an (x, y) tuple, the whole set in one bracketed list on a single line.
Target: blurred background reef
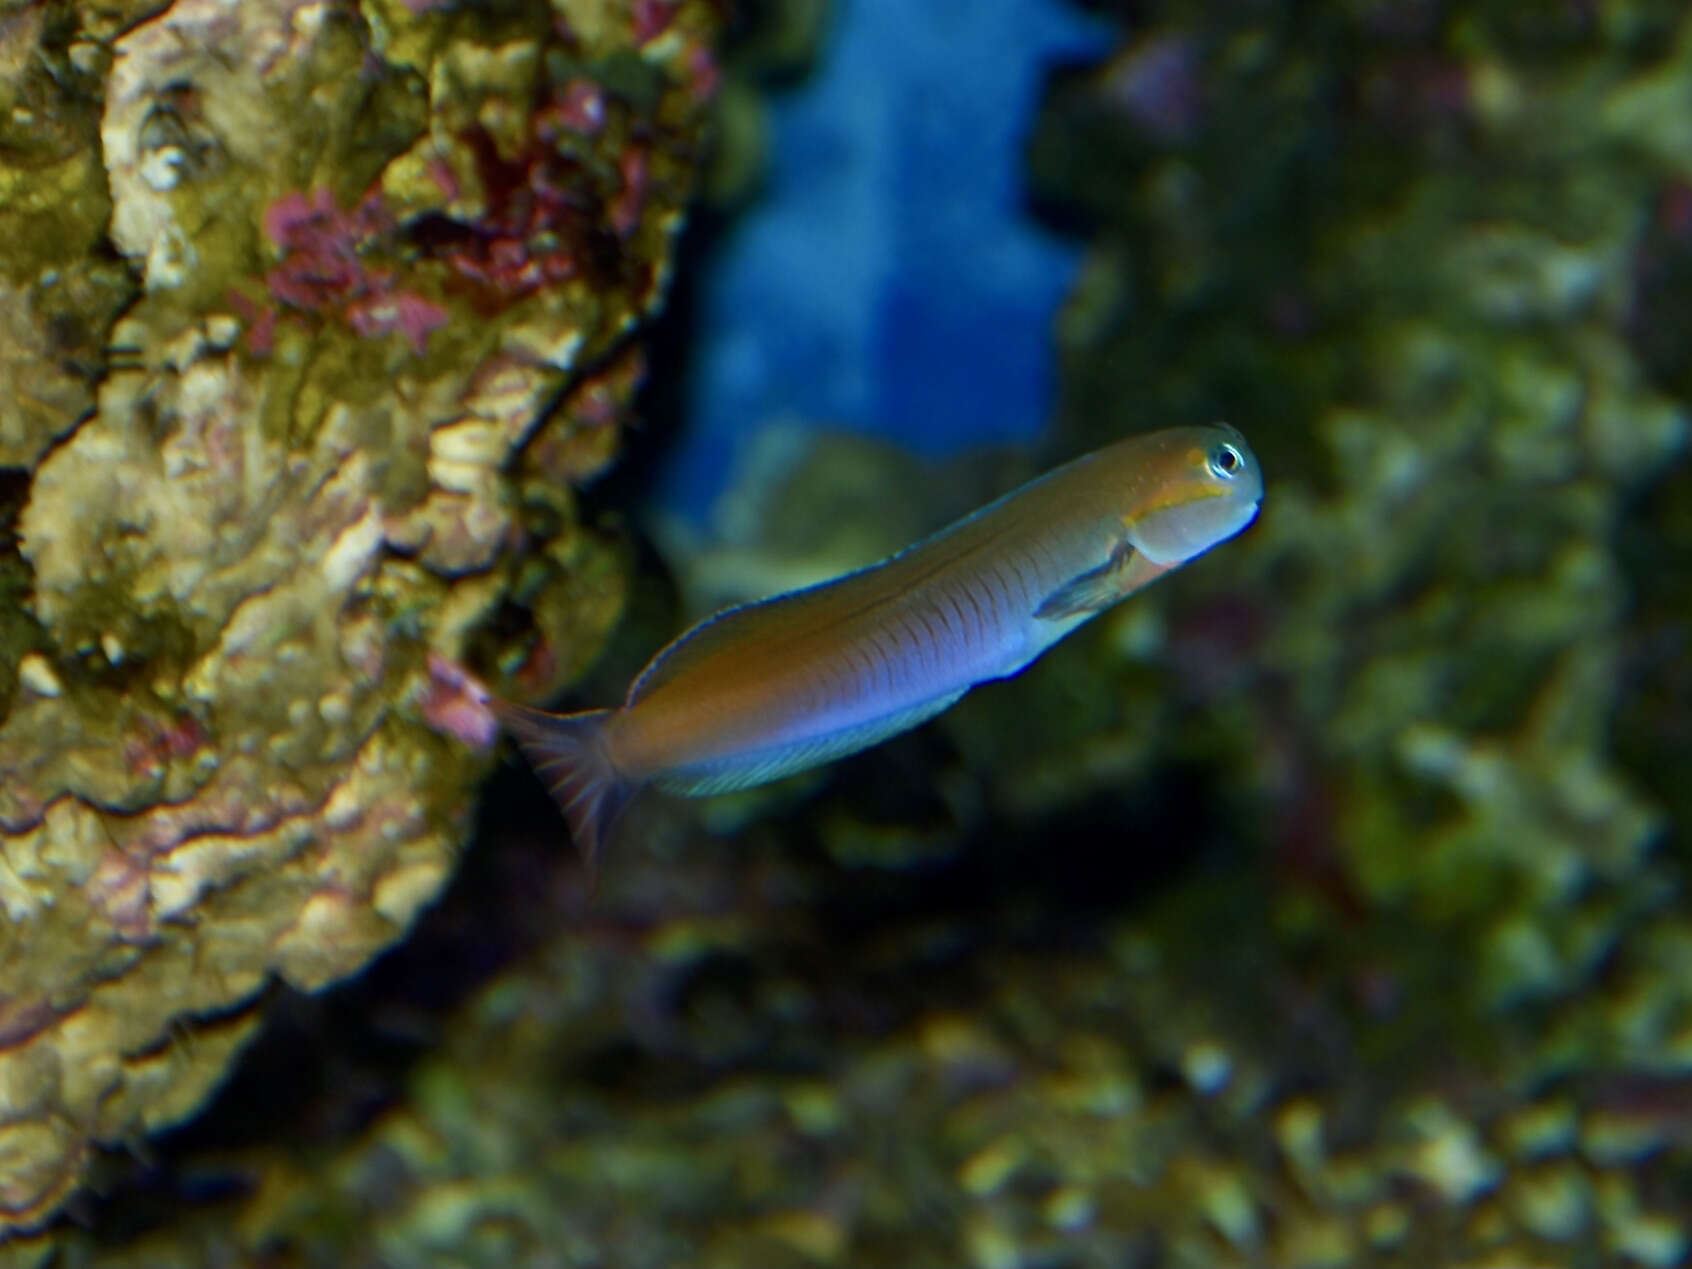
[(1324, 906)]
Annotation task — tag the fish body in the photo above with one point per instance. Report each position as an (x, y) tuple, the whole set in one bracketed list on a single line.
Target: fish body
[(769, 688)]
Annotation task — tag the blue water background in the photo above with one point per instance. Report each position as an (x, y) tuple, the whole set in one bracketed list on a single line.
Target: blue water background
[(889, 280)]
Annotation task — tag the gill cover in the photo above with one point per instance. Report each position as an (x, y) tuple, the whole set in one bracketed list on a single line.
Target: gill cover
[(1226, 485)]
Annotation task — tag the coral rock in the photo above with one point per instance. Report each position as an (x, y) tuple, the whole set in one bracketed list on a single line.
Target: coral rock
[(367, 254)]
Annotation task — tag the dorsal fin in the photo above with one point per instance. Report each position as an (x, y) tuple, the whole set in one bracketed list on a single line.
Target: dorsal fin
[(692, 646), (768, 623), (763, 620)]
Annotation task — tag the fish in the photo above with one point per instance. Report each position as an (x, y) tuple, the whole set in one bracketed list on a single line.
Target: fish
[(766, 689)]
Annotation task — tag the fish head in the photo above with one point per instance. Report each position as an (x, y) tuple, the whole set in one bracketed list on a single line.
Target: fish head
[(1203, 488)]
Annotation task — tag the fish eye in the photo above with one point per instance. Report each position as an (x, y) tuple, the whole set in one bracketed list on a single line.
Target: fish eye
[(1226, 461)]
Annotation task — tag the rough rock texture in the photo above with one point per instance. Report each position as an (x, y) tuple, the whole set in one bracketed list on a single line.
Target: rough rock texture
[(383, 259), (59, 286)]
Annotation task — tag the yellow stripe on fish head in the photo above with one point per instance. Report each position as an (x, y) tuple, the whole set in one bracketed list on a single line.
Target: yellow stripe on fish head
[(1205, 489)]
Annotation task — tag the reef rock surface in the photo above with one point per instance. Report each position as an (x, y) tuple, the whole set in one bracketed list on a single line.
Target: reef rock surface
[(308, 331)]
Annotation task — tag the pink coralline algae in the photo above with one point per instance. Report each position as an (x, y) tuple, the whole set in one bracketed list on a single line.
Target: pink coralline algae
[(455, 704), (386, 276), (322, 269), (318, 241), (410, 315), (538, 226), (652, 18), (580, 108)]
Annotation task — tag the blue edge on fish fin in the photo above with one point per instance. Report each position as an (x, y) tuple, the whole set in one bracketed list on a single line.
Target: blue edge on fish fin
[(568, 753)]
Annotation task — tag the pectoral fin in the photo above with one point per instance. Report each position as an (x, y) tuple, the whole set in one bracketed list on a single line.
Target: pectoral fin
[(1090, 592), (1097, 589)]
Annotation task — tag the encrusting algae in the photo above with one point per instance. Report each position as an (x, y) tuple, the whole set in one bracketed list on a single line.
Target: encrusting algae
[(377, 264)]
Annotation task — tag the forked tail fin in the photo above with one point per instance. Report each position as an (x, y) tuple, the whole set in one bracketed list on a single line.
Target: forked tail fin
[(567, 751)]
